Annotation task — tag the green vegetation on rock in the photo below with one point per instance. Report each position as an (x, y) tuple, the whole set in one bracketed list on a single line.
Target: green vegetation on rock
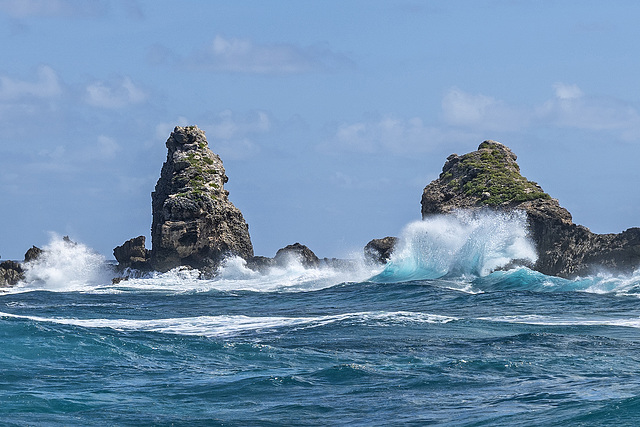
[(492, 177)]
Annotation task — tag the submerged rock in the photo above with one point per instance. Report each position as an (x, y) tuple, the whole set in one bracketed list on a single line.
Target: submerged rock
[(490, 178), (194, 223), (379, 250)]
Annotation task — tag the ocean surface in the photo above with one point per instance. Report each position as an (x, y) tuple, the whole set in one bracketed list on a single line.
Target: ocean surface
[(436, 337)]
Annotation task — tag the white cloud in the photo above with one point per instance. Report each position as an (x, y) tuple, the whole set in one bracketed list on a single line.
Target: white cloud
[(227, 125), (564, 91), (244, 56), (571, 108), (47, 85), (115, 95), (232, 135), (481, 112), (393, 135)]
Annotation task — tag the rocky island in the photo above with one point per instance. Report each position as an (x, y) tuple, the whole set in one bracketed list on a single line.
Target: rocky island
[(490, 178), (194, 223)]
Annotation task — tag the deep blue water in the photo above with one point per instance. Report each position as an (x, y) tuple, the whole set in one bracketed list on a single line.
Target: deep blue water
[(354, 353), (323, 347)]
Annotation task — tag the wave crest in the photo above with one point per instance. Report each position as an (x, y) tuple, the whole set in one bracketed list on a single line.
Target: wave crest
[(459, 245)]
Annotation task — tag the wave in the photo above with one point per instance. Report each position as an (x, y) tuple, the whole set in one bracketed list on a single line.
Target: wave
[(234, 275), (460, 251), (564, 321), (65, 265), (459, 245), (524, 279), (231, 325)]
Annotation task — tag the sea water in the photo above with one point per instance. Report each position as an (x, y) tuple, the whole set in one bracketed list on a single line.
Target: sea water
[(439, 336)]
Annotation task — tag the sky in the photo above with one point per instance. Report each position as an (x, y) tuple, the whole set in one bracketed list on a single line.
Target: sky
[(330, 116)]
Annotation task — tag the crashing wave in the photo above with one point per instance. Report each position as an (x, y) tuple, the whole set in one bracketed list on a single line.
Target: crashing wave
[(459, 245)]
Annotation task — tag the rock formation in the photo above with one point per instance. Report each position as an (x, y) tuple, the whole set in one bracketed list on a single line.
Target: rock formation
[(32, 253), (490, 178), (194, 223), (11, 272), (297, 251), (133, 254), (379, 250)]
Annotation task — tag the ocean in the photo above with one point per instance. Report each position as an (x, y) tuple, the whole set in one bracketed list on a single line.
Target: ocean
[(439, 336)]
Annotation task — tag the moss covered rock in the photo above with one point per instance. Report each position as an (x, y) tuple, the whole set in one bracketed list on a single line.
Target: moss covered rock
[(194, 223), (490, 178)]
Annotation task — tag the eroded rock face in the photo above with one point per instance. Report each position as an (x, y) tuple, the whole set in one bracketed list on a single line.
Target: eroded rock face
[(194, 223), (379, 250), (489, 178), (133, 254), (11, 272)]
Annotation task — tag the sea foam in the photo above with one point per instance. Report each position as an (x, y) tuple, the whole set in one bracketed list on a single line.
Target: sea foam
[(459, 245), (65, 266), (231, 325)]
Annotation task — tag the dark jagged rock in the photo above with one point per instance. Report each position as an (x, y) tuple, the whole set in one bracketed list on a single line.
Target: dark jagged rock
[(489, 178), (379, 250), (194, 223), (32, 254), (133, 254), (11, 272), (299, 252)]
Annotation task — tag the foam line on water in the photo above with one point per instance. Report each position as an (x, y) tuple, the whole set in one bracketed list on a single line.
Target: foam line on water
[(562, 321), (229, 325)]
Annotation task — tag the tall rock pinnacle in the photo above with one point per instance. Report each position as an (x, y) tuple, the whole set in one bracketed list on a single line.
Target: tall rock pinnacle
[(194, 223)]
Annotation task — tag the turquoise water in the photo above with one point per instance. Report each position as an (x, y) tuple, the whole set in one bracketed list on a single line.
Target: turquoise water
[(319, 347)]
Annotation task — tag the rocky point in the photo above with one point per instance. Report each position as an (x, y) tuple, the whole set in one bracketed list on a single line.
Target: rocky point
[(490, 178)]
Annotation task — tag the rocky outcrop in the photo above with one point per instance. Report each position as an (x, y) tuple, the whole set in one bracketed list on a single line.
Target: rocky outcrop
[(298, 252), (194, 223), (490, 178), (11, 272), (32, 253), (379, 250), (133, 254)]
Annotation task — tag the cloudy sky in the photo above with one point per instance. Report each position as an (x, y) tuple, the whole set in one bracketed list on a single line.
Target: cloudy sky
[(330, 116)]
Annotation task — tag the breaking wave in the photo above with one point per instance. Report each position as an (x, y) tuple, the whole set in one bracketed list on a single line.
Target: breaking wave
[(459, 245), (466, 253), (65, 265)]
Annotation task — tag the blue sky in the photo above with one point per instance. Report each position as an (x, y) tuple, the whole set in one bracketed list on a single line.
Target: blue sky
[(330, 116)]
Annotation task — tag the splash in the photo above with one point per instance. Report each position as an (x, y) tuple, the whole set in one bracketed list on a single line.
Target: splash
[(65, 265), (234, 275), (463, 244)]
